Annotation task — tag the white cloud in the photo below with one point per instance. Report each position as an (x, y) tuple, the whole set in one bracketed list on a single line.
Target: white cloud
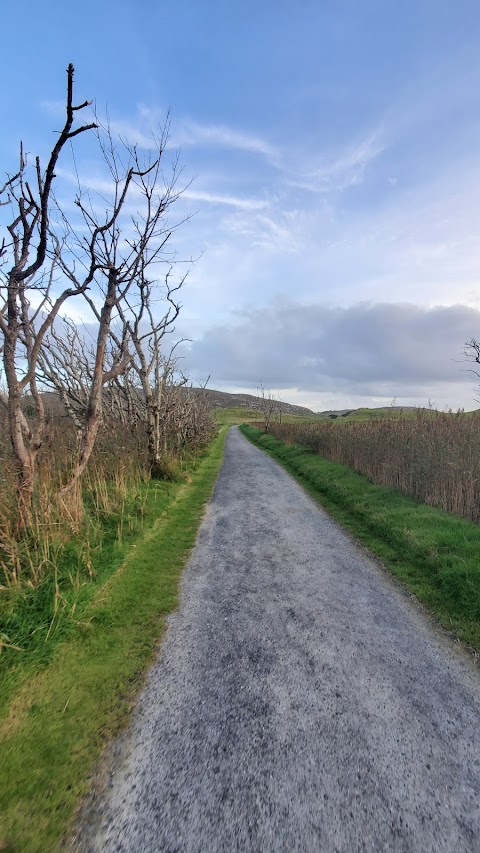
[(342, 169), (221, 136), (133, 134), (229, 200), (189, 133), (275, 231), (91, 183)]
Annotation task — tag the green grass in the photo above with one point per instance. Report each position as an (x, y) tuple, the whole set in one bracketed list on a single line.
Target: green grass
[(365, 414), (435, 554), (292, 418), (239, 415), (389, 412), (235, 415), (60, 717), (28, 616)]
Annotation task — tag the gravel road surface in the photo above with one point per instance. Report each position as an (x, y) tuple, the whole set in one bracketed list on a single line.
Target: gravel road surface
[(301, 701)]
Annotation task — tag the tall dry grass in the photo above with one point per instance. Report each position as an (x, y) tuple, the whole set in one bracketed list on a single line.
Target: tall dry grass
[(50, 571), (117, 468), (433, 456)]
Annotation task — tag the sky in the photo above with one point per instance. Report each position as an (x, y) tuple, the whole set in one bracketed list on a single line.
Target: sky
[(330, 156)]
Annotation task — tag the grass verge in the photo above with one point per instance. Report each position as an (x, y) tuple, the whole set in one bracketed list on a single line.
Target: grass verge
[(60, 717), (35, 619), (435, 554)]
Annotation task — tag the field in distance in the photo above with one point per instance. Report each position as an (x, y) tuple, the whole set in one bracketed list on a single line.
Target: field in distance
[(238, 408), (240, 415), (241, 408)]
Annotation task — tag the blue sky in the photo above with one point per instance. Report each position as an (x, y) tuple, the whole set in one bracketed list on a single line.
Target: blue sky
[(335, 150)]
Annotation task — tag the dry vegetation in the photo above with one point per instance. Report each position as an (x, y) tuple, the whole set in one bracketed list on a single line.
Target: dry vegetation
[(433, 456), (111, 488)]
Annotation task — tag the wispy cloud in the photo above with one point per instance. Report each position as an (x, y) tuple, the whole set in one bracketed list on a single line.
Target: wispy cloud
[(342, 169), (266, 231), (147, 127), (133, 134), (104, 188), (230, 200), (221, 136), (186, 132), (90, 183)]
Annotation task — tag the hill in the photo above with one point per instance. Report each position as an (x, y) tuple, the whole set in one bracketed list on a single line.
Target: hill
[(224, 400)]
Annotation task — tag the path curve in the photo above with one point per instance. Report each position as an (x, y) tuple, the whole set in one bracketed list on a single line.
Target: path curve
[(301, 702)]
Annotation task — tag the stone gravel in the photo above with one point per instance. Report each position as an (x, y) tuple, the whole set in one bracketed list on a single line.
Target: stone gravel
[(301, 700)]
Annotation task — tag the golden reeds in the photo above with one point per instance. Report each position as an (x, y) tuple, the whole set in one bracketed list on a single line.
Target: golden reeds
[(434, 456), (117, 468)]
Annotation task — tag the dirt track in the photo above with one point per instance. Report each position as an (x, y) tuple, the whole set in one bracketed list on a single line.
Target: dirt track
[(301, 702)]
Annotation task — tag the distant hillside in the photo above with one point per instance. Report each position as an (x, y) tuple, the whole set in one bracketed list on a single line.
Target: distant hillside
[(216, 400), (223, 400), (378, 412)]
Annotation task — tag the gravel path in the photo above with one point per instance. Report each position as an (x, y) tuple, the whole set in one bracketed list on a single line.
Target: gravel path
[(301, 701)]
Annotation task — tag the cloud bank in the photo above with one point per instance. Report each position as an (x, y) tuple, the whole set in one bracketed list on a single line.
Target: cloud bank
[(381, 350)]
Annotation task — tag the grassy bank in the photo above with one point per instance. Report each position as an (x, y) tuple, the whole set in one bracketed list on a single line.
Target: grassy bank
[(36, 618), (60, 716), (435, 554)]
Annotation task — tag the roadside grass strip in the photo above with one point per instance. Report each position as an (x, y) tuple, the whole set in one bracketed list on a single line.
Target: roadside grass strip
[(60, 717), (435, 554)]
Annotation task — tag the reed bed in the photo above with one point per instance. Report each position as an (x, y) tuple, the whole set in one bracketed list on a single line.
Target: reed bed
[(434, 456)]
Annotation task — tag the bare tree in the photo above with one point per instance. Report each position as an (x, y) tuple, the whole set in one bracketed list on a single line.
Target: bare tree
[(136, 372), (29, 261), (152, 394), (192, 421), (67, 363), (102, 255), (174, 416), (472, 354), (153, 370), (125, 239), (269, 404)]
